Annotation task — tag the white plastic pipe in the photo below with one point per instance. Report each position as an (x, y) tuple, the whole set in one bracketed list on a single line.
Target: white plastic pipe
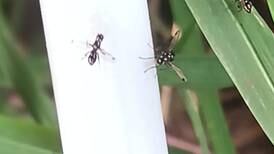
[(109, 107)]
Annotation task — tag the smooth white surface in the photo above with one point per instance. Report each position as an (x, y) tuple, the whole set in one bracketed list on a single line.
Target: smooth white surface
[(108, 107)]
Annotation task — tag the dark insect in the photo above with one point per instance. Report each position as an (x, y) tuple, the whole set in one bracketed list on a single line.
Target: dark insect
[(245, 4), (93, 54), (166, 57)]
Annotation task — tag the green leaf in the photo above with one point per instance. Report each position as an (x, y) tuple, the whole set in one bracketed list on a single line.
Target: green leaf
[(202, 72), (192, 108), (191, 43), (12, 147), (247, 59), (271, 7), (29, 133), (24, 81), (215, 122), (259, 37)]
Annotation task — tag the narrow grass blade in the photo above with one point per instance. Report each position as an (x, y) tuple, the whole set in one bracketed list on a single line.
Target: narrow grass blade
[(239, 55), (215, 122), (271, 7), (24, 81), (258, 36), (192, 106)]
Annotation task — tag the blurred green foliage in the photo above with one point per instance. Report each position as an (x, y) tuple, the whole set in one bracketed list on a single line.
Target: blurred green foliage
[(35, 130), (243, 45), (271, 7), (176, 151)]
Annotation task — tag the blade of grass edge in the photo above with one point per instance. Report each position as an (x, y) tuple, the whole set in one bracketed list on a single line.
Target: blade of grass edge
[(259, 35), (271, 7), (192, 108), (215, 122), (25, 82)]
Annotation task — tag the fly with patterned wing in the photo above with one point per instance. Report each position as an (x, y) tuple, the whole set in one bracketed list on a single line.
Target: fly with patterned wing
[(166, 56), (244, 4), (93, 54)]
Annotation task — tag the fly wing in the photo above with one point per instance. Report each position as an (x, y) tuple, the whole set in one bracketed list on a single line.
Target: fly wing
[(178, 71), (174, 40), (107, 56)]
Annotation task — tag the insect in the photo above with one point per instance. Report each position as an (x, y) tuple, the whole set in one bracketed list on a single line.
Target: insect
[(166, 56), (93, 54), (245, 4)]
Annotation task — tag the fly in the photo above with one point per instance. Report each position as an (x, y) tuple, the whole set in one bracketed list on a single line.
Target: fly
[(245, 4), (166, 57), (93, 54)]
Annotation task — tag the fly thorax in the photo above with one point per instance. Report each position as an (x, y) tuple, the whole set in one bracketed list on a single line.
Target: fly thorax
[(97, 44)]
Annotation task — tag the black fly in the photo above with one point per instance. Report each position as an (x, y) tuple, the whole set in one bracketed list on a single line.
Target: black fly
[(166, 57), (245, 4), (93, 54)]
